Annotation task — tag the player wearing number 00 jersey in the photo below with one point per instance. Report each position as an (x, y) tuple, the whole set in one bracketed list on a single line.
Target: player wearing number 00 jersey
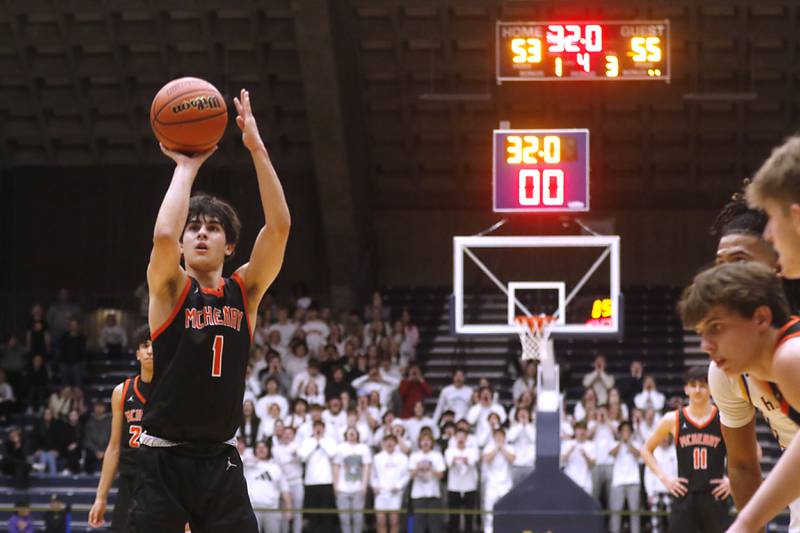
[(701, 489), (202, 323), (127, 404)]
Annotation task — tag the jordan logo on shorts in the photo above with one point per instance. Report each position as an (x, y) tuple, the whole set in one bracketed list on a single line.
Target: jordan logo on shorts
[(230, 464)]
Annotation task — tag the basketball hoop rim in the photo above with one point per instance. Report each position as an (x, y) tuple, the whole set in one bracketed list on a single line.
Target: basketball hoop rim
[(535, 323)]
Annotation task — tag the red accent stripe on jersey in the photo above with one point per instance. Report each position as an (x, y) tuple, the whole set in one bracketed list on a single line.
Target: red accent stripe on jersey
[(125, 393), (136, 390), (239, 281), (705, 423), (219, 292), (174, 313), (781, 339), (786, 338)]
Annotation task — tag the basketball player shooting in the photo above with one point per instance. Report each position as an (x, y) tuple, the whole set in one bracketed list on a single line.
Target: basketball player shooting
[(202, 324)]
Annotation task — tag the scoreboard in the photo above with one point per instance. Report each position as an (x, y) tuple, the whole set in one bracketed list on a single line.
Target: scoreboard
[(541, 170), (560, 51)]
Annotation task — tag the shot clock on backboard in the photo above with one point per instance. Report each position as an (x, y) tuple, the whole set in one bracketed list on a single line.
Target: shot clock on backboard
[(581, 50), (541, 170)]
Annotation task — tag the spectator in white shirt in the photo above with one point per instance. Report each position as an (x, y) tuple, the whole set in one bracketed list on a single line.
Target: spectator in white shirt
[(485, 433), (387, 420), (354, 420), (626, 483), (647, 424), (525, 382), (658, 496), (316, 331), (275, 370), (526, 402), (599, 380), (273, 396), (284, 327), (374, 380), (649, 397), (462, 480), (615, 404), (335, 417), (252, 386), (267, 486), (399, 431), (299, 415), (522, 436), (311, 373), (603, 434), (478, 414), (426, 468), (351, 470), (297, 361), (497, 459), (389, 480), (418, 421), (318, 451), (113, 338), (587, 404), (455, 397), (285, 450), (266, 428), (311, 394), (578, 456)]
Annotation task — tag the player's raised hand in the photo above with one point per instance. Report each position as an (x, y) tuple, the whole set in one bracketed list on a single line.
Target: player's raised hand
[(722, 489), (96, 514), (194, 161), (247, 122), (677, 486)]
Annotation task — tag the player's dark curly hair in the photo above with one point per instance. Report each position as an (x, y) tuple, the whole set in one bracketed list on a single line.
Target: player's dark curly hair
[(204, 207), (737, 218)]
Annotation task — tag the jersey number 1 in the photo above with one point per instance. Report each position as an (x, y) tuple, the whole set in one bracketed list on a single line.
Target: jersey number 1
[(216, 363), (700, 456)]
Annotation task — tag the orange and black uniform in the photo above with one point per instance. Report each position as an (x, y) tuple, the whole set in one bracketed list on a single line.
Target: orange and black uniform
[(189, 467), (701, 457), (134, 397)]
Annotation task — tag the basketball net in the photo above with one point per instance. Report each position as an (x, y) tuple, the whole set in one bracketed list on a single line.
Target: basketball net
[(534, 335)]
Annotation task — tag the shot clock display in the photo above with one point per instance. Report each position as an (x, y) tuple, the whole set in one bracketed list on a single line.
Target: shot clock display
[(548, 51), (541, 170)]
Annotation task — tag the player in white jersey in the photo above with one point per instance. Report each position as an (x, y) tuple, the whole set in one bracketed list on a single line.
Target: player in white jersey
[(740, 231)]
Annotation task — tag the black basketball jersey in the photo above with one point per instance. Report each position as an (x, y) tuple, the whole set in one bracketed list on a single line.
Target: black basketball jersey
[(199, 361), (701, 450), (134, 397)]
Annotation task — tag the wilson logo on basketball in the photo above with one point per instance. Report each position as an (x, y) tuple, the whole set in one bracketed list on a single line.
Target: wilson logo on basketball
[(199, 103)]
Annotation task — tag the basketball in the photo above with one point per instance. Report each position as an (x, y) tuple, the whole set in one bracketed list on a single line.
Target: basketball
[(188, 115)]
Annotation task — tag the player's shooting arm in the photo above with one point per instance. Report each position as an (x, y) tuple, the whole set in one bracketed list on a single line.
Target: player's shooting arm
[(267, 255), (110, 460), (164, 273), (781, 487)]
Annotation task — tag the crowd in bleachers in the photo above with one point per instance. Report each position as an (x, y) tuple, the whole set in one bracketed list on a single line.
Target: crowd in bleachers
[(338, 413)]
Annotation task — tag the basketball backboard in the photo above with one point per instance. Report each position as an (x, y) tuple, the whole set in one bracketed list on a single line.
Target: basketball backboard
[(577, 278)]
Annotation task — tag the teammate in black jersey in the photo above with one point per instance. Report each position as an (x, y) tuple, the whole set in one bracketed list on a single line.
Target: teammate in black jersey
[(701, 488), (202, 326), (127, 403), (742, 315)]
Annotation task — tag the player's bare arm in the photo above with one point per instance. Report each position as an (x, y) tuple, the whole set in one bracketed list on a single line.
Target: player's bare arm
[(781, 487), (110, 460), (268, 250), (744, 468), (165, 277), (677, 486)]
